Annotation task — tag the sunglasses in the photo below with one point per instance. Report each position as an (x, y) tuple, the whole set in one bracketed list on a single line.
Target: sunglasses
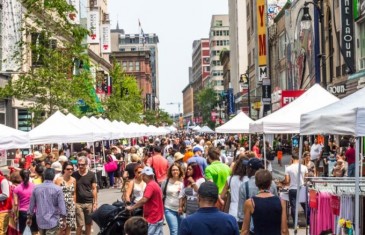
[(69, 169), (81, 164)]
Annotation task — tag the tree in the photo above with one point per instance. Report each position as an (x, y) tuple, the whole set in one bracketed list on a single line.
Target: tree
[(157, 117), (207, 100), (51, 83), (125, 102)]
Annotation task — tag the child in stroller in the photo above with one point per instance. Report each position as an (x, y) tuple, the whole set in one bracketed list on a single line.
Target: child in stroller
[(111, 218)]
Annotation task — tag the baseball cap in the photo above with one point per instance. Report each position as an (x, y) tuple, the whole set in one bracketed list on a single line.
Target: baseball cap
[(208, 189), (197, 148), (255, 164), (147, 171), (56, 166)]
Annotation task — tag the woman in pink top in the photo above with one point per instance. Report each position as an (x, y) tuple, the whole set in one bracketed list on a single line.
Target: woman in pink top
[(22, 194)]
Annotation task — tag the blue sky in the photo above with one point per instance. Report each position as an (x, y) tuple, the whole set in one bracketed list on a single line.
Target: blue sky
[(177, 23)]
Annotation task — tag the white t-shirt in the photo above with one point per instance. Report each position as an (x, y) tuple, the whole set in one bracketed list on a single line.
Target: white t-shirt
[(292, 171), (315, 151), (172, 194), (235, 188)]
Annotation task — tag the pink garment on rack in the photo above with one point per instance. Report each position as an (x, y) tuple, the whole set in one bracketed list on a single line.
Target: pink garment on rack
[(322, 218)]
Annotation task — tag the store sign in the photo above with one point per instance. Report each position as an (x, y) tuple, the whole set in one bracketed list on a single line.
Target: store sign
[(266, 92), (74, 16), (347, 40), (289, 96), (105, 39), (337, 89), (261, 32), (93, 27)]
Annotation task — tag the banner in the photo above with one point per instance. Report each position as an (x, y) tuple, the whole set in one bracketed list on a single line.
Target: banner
[(266, 92), (74, 17), (288, 96), (11, 34), (93, 27), (105, 39), (347, 37), (231, 105)]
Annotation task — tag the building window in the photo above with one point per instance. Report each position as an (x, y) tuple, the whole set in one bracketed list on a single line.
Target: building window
[(137, 66), (124, 66), (24, 120), (218, 23), (282, 42), (131, 67), (2, 112), (362, 46), (282, 80), (133, 49)]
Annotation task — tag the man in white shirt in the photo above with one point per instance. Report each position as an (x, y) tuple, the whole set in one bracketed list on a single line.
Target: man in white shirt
[(316, 150), (291, 178)]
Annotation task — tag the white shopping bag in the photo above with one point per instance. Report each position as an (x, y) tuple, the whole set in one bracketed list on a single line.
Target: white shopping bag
[(27, 231)]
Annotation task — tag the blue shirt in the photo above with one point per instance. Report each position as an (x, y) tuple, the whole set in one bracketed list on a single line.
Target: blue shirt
[(202, 162), (209, 221), (48, 201)]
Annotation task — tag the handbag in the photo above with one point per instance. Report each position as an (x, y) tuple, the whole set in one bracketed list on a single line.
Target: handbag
[(227, 203), (111, 166)]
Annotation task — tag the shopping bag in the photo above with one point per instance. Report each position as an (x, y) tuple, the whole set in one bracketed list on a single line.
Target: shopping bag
[(27, 231)]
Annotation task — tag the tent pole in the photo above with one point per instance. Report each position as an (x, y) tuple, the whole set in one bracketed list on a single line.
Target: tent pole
[(299, 186), (357, 183), (249, 141), (264, 152)]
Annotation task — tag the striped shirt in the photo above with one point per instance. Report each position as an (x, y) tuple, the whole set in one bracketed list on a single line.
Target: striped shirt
[(48, 202)]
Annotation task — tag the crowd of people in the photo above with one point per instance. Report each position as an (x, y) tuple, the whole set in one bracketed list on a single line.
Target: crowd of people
[(182, 180)]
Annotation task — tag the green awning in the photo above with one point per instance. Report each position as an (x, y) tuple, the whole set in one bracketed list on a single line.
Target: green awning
[(357, 75)]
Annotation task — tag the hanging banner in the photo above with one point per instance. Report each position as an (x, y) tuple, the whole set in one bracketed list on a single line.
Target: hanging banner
[(347, 38), (261, 32), (93, 27), (74, 16), (231, 105), (105, 38), (11, 34)]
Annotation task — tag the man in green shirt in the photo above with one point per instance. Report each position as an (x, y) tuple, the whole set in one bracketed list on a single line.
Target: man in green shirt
[(217, 172)]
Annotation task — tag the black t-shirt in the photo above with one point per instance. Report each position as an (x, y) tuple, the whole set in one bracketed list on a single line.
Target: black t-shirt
[(130, 169), (84, 193)]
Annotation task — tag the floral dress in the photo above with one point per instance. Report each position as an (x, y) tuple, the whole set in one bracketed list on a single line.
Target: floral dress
[(68, 192)]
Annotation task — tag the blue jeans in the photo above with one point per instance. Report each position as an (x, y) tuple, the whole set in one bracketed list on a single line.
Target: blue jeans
[(351, 170), (111, 178), (173, 220), (155, 229)]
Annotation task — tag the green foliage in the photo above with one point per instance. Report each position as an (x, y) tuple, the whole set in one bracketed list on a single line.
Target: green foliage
[(125, 102), (157, 117), (51, 83), (207, 100)]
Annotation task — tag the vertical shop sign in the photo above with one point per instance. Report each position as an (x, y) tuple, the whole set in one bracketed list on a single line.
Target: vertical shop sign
[(105, 38), (347, 39), (93, 27), (74, 16)]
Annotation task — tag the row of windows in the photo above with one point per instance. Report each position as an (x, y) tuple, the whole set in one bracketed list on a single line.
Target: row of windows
[(216, 63), (220, 33), (131, 66), (215, 53), (220, 43), (217, 73)]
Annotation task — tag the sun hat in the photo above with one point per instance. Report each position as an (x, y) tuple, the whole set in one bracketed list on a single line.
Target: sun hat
[(56, 166), (62, 158), (178, 156)]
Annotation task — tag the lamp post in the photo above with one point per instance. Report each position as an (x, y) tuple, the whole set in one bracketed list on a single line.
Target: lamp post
[(245, 80)]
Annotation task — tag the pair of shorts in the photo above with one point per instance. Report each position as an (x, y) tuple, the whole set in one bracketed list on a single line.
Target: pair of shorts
[(83, 214)]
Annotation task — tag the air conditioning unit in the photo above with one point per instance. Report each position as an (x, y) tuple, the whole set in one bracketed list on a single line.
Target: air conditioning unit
[(362, 63), (361, 83)]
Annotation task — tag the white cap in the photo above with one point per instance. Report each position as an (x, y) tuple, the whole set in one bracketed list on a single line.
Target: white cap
[(56, 166)]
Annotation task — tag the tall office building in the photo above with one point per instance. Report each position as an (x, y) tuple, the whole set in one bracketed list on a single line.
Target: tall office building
[(138, 42), (238, 47), (218, 41)]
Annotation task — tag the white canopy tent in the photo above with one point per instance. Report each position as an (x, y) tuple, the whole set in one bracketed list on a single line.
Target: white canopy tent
[(11, 138), (197, 128), (206, 129), (345, 117), (287, 119), (57, 129), (86, 125), (238, 124)]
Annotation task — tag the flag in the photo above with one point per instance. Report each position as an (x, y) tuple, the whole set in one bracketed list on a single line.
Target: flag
[(142, 36)]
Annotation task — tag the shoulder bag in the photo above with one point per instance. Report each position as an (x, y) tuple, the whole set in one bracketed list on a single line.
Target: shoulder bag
[(227, 203), (164, 191), (111, 165)]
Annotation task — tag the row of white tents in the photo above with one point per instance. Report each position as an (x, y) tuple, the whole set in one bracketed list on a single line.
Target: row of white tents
[(60, 128), (314, 112)]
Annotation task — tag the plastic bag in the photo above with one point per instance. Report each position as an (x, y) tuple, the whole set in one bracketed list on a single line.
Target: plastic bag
[(27, 231)]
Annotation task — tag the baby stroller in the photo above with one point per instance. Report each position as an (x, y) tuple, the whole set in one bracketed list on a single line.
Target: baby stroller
[(111, 218)]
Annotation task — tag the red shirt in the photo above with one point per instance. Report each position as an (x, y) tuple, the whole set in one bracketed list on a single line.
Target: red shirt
[(160, 166), (350, 155), (153, 208)]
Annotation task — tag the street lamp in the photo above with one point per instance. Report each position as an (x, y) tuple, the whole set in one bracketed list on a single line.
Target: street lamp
[(245, 80)]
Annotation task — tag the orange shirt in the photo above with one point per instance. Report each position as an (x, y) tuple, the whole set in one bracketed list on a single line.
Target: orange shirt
[(187, 156)]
